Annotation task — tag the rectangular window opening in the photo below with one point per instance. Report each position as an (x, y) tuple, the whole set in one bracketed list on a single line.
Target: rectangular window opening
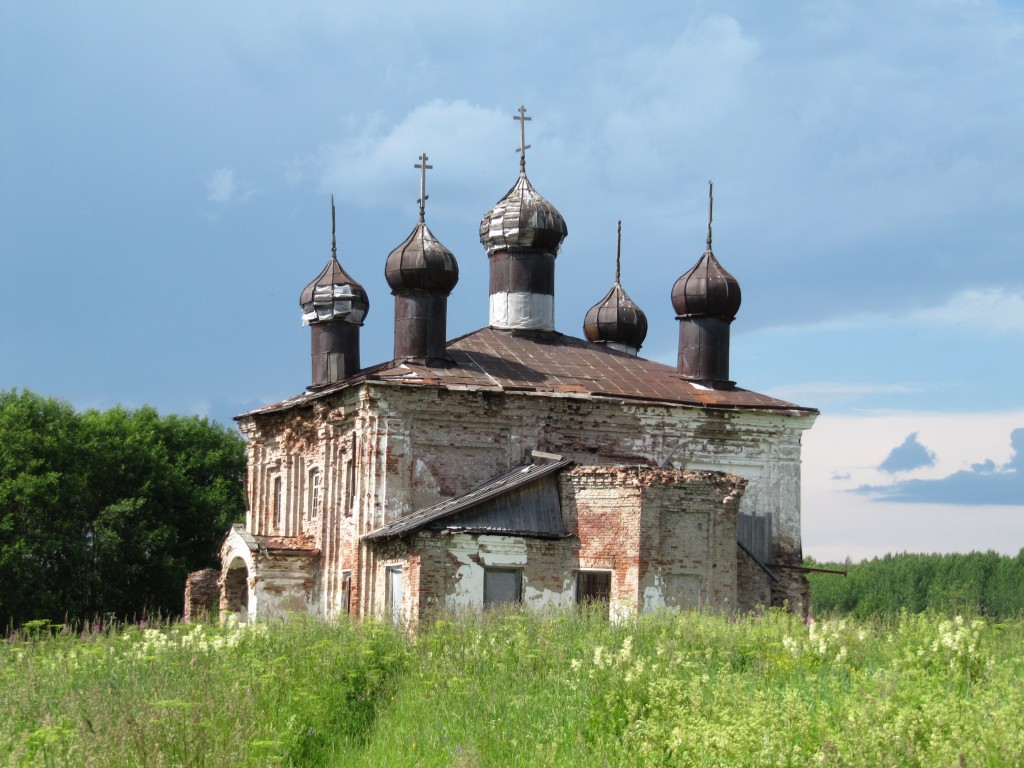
[(503, 585), (314, 493), (593, 587), (346, 591), (393, 593), (350, 486), (279, 503)]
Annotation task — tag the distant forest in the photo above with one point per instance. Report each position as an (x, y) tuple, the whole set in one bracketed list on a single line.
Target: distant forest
[(978, 584)]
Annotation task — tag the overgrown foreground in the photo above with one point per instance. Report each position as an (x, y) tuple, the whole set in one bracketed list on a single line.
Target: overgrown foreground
[(513, 689)]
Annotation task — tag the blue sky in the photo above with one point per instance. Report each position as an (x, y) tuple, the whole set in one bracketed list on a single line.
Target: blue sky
[(165, 172)]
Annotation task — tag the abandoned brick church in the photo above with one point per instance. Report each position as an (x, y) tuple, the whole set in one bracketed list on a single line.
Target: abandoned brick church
[(515, 463)]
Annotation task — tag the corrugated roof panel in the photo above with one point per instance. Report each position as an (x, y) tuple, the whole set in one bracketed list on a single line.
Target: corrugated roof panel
[(506, 482)]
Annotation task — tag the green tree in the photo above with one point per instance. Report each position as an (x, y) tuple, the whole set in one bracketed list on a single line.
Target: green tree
[(983, 583), (106, 512)]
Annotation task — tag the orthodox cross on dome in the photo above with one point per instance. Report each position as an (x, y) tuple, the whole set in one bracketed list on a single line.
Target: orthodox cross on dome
[(523, 146), (422, 165), (618, 253), (711, 203), (334, 241)]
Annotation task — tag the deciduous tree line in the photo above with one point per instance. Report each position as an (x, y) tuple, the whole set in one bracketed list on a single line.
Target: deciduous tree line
[(106, 512), (979, 583)]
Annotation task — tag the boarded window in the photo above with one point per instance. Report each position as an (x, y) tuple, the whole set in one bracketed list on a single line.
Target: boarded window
[(394, 593), (682, 590), (314, 492), (502, 585), (593, 586)]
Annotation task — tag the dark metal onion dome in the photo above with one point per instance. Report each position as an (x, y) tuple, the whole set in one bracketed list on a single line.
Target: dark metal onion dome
[(422, 263), (334, 295), (707, 289), (522, 220), (421, 273), (706, 300), (616, 320)]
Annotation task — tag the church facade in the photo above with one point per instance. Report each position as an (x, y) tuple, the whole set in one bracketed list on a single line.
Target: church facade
[(514, 464)]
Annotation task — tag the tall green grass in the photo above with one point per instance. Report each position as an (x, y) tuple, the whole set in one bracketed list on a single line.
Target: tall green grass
[(510, 689)]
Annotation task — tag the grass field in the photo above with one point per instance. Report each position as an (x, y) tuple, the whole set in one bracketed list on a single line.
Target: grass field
[(513, 689)]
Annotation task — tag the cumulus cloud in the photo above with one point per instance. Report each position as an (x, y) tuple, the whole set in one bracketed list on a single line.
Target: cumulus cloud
[(375, 166), (910, 454), (985, 483)]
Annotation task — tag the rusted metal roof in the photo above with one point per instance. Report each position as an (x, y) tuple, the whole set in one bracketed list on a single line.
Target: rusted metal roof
[(504, 484), (551, 363)]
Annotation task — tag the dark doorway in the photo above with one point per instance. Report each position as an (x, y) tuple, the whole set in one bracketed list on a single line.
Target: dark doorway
[(593, 587)]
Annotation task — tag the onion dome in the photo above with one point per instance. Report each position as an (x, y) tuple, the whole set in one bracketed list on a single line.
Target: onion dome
[(334, 295), (616, 319), (707, 289), (522, 221), (422, 263)]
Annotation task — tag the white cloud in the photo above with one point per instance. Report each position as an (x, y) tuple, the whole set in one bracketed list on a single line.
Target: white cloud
[(842, 453), (375, 167), (222, 187), (992, 310), (995, 309)]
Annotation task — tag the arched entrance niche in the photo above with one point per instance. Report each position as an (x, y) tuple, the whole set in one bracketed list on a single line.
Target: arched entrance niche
[(235, 595)]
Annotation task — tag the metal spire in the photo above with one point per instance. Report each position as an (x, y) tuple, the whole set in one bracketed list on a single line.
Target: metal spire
[(711, 203), (334, 241), (618, 254), (422, 165), (523, 146)]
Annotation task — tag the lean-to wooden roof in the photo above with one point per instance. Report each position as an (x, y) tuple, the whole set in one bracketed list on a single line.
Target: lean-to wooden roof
[(538, 519)]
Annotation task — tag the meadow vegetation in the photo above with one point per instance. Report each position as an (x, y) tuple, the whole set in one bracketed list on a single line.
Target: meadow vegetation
[(520, 689)]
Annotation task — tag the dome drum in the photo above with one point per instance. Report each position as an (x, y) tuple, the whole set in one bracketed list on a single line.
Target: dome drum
[(335, 352), (420, 327), (529, 272), (704, 350)]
